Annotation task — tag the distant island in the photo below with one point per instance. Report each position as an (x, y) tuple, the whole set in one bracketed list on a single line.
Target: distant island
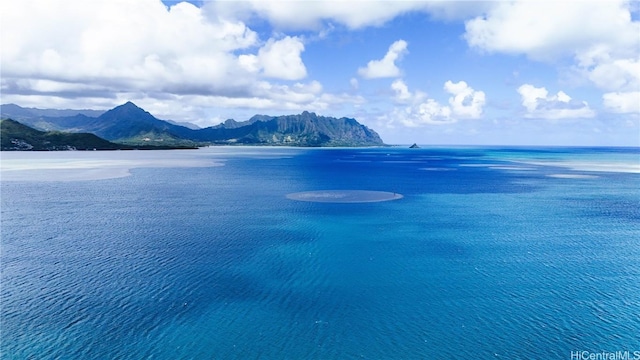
[(129, 126)]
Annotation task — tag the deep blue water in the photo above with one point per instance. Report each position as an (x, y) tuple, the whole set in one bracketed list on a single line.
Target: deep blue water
[(492, 253)]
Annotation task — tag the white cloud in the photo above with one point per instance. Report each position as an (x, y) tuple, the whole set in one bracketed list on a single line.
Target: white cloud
[(277, 59), (310, 15), (457, 10), (430, 112), (622, 102), (354, 14), (541, 105), (385, 67), (465, 103), (296, 94), (615, 74), (601, 37), (566, 28), (402, 91), (281, 59), (250, 62), (122, 45)]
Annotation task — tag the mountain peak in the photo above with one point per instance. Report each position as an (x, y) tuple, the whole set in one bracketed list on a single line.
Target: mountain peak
[(128, 105), (308, 114), (125, 121), (128, 109)]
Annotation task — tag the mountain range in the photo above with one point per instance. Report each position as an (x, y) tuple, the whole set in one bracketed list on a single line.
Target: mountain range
[(131, 125)]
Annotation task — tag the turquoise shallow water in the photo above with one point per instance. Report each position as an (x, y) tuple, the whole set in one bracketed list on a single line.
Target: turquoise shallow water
[(490, 253)]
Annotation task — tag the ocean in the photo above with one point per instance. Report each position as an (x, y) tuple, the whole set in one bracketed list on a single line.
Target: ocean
[(289, 253)]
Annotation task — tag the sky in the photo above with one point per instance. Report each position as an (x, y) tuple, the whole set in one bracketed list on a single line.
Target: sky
[(427, 72)]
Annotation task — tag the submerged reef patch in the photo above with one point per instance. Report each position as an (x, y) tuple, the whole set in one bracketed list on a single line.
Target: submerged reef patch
[(344, 196)]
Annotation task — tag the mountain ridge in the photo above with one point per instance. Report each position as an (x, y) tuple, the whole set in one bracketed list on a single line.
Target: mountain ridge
[(132, 125), (17, 112)]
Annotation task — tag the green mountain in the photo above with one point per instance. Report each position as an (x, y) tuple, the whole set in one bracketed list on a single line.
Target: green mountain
[(16, 136), (129, 124), (306, 129)]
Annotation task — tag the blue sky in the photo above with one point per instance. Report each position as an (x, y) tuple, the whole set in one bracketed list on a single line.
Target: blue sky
[(445, 72)]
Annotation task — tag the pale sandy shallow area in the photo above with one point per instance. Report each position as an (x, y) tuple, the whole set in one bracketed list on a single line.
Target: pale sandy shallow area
[(437, 169), (91, 165), (514, 168), (344, 196), (590, 166), (572, 176), (594, 166), (479, 165)]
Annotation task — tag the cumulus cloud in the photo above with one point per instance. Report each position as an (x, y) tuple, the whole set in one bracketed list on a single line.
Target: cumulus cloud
[(385, 67), (600, 37), (622, 102), (401, 90), (464, 103), (121, 45), (567, 28), (611, 74), (354, 14), (310, 15), (541, 105), (277, 59)]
